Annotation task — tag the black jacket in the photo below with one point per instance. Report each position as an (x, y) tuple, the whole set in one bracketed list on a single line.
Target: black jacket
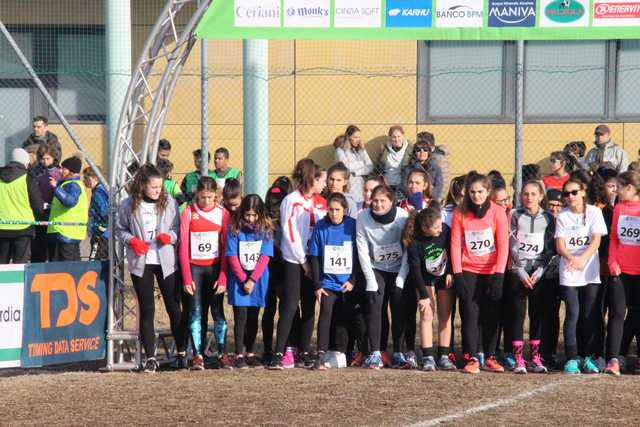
[(10, 173), (50, 138)]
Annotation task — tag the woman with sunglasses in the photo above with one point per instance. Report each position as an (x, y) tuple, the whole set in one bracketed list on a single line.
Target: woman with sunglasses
[(579, 229), (422, 160)]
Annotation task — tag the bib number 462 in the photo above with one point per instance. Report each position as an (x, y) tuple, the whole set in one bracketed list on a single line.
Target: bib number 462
[(579, 241)]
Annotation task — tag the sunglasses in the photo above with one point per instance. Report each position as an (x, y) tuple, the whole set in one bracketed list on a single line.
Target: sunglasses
[(570, 193), (421, 150), (555, 205)]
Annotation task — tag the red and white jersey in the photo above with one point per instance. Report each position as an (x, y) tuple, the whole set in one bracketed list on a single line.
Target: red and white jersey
[(299, 215)]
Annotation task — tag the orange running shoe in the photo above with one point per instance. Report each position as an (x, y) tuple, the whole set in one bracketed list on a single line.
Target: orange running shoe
[(386, 360), (357, 360), (613, 367), (492, 365), (472, 366)]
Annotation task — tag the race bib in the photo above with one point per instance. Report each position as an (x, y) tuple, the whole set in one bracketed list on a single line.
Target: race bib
[(629, 230), (480, 242), (149, 224), (530, 245), (249, 254), (338, 259), (435, 260), (204, 244), (388, 254), (577, 240)]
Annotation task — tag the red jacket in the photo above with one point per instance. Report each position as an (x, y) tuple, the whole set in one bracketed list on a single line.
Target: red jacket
[(480, 245), (624, 255)]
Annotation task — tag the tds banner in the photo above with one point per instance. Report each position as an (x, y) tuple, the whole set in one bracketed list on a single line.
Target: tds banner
[(65, 308)]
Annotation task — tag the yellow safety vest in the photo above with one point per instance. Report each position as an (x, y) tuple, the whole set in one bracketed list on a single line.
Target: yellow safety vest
[(14, 203), (77, 213)]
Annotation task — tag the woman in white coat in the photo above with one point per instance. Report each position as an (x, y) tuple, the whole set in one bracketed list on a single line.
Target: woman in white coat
[(350, 151)]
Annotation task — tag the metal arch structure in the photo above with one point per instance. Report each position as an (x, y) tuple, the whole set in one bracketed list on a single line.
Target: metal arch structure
[(145, 107)]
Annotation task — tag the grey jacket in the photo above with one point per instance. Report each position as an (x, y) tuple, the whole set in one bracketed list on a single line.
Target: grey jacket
[(129, 225), (611, 153)]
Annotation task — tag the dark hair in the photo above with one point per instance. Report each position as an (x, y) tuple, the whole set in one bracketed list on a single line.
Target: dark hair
[(340, 167), (232, 189), (223, 151), (146, 173), (47, 149), (387, 191), (531, 171), (165, 166), (90, 172), (472, 178), (206, 183), (497, 180), (426, 138), (394, 128), (377, 178), (198, 154), (340, 198), (580, 184), (425, 177), (42, 119), (275, 195), (455, 194), (263, 227), (339, 141), (164, 144), (559, 155), (304, 174), (634, 166), (581, 175), (630, 178), (413, 227)]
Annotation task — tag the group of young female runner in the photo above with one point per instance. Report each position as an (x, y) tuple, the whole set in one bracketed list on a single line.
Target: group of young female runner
[(357, 262)]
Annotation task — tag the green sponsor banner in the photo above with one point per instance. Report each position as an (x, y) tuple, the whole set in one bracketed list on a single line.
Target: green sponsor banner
[(421, 19)]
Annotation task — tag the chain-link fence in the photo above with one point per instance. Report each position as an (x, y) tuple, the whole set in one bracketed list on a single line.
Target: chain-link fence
[(462, 92)]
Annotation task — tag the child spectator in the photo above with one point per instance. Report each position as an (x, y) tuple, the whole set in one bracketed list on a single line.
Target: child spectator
[(165, 166), (98, 214)]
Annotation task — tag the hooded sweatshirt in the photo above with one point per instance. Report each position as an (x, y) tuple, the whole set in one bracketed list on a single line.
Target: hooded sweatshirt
[(10, 173)]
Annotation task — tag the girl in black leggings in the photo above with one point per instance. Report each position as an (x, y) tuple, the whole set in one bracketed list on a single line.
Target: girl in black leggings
[(148, 224), (299, 213)]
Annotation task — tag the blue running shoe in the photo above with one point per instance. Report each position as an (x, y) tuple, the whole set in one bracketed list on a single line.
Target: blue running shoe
[(509, 361), (589, 366), (481, 359), (571, 367), (373, 361), (398, 361)]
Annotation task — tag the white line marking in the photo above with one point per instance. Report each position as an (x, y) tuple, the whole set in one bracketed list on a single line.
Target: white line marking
[(501, 402)]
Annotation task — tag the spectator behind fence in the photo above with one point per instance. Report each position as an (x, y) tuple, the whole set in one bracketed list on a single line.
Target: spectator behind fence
[(351, 152), (69, 205), (222, 169), (98, 214), (559, 172), (575, 151), (20, 200), (422, 160), (42, 172), (606, 150), (395, 156), (439, 153), (41, 135)]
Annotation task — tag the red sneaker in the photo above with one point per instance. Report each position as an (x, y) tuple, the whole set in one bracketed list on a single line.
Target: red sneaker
[(472, 366), (357, 360), (492, 365)]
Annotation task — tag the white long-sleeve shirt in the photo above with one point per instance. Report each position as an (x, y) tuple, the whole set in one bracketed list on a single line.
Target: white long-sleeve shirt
[(359, 164), (298, 216), (380, 247)]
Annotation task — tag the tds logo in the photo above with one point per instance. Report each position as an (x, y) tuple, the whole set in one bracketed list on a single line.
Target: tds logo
[(83, 303)]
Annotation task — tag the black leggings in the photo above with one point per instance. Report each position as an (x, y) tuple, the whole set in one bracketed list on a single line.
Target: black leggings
[(296, 288), (269, 312), (517, 304), (245, 328), (388, 294), (171, 294), (616, 307), (632, 321), (581, 305), (480, 309), (16, 250), (333, 321), (410, 308), (551, 317)]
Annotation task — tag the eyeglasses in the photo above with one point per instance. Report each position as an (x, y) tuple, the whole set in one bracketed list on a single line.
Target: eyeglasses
[(570, 193), (555, 205)]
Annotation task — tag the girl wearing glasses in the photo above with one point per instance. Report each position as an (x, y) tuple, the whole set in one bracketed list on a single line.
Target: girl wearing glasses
[(579, 229)]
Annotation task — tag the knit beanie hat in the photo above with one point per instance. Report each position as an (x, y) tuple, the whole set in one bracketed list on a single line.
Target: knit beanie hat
[(20, 155), (74, 164)]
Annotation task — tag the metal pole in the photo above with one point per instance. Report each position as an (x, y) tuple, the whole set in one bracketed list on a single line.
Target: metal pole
[(204, 107), (255, 91), (519, 119), (52, 103), (118, 66)]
